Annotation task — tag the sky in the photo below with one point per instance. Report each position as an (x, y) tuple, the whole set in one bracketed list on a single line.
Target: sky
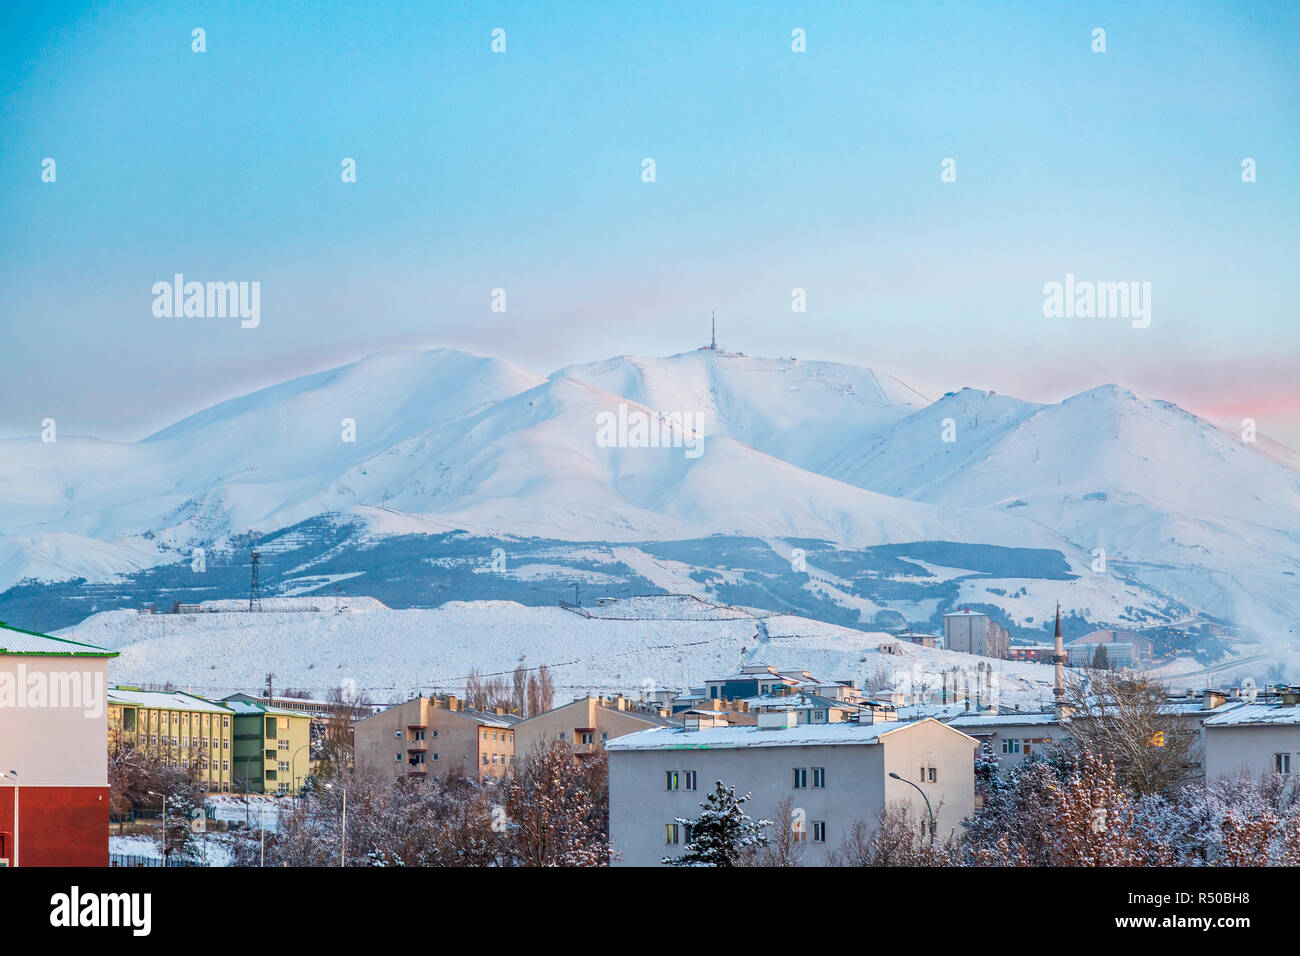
[(775, 170)]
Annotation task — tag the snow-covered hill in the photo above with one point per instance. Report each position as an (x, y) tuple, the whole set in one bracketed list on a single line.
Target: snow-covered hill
[(656, 644)]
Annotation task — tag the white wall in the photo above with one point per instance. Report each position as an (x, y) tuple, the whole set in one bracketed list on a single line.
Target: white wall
[(52, 744)]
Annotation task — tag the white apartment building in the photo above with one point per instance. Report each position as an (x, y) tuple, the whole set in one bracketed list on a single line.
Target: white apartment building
[(834, 773), (1254, 739)]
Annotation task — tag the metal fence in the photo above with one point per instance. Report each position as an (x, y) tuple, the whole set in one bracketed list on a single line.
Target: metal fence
[(130, 859)]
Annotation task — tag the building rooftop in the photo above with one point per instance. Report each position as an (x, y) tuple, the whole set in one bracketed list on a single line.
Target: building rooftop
[(14, 640), (722, 738), (1011, 719), (164, 700), (246, 707), (1253, 714)]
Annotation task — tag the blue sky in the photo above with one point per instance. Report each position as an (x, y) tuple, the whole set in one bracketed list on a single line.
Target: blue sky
[(775, 170)]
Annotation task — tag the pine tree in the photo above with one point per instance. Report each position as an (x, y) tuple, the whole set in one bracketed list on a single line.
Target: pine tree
[(723, 834)]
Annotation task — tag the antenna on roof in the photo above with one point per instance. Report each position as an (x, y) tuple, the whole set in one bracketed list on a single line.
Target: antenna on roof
[(713, 346)]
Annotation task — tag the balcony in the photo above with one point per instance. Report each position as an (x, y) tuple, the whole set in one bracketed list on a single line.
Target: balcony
[(417, 745)]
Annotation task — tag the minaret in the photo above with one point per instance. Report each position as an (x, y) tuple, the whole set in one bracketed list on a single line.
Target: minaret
[(1058, 692)]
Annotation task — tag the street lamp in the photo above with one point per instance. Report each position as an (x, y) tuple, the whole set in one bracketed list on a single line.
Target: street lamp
[(293, 770), (164, 823), (928, 808), (13, 775), (343, 846)]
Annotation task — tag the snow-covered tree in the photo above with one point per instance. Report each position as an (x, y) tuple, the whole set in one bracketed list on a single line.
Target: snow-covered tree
[(723, 834)]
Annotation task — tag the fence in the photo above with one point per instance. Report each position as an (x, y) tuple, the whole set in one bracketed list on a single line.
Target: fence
[(132, 860)]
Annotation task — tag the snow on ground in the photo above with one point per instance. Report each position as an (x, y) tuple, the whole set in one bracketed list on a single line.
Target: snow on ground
[(390, 653)]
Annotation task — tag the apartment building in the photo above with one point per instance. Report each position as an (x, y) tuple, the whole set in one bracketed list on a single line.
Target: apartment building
[(431, 735), (586, 724), (272, 747), (1013, 736), (834, 774), (1253, 738), (182, 729), (974, 633), (53, 752)]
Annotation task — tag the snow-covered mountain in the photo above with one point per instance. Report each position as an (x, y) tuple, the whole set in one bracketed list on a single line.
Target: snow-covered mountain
[(425, 442)]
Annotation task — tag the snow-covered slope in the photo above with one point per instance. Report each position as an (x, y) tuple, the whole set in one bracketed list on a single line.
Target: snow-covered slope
[(389, 653), (801, 412), (1185, 504)]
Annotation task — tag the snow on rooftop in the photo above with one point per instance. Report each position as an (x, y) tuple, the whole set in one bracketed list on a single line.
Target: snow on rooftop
[(1248, 714), (164, 700), (721, 738), (1003, 720)]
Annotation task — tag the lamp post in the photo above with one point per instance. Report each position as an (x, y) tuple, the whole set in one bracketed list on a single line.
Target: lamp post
[(13, 775), (343, 846), (928, 808), (293, 770), (164, 824)]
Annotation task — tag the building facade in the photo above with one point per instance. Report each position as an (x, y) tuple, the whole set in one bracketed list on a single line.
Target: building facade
[(833, 774), (586, 724), (974, 633), (431, 736), (181, 729), (54, 797), (272, 748)]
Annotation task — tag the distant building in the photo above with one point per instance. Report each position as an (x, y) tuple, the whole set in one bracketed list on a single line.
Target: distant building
[(834, 774), (586, 724), (1038, 653), (974, 633), (432, 735), (1141, 647), (53, 732), (921, 639), (1116, 656), (181, 729)]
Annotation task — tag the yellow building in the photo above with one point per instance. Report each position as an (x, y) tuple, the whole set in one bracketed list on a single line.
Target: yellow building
[(272, 748), (180, 728)]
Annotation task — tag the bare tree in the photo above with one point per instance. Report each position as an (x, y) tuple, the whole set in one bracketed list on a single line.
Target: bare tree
[(1127, 718)]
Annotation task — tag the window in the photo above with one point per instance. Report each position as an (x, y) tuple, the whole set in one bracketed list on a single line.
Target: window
[(283, 744), (588, 738), (819, 716), (1011, 746), (564, 735), (284, 766), (672, 781), (690, 780), (485, 758), (1282, 763), (435, 733), (397, 757), (798, 832), (819, 777), (604, 737), (485, 735), (934, 774), (672, 834), (800, 777), (397, 734), (819, 831)]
